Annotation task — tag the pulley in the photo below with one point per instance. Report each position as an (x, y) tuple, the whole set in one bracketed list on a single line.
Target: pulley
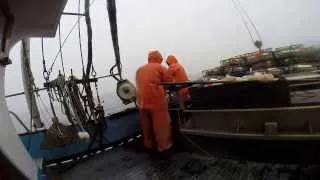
[(126, 91), (258, 44)]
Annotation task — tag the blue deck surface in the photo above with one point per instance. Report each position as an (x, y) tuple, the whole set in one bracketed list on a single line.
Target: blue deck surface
[(117, 128)]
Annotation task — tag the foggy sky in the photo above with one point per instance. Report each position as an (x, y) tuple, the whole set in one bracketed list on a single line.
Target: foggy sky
[(199, 33)]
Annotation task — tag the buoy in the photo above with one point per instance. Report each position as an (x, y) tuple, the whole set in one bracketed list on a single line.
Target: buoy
[(83, 135)]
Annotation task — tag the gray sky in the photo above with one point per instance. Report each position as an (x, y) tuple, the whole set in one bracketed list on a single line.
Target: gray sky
[(199, 33)]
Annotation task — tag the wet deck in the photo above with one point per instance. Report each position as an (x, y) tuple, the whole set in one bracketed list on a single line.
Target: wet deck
[(123, 163), (127, 163)]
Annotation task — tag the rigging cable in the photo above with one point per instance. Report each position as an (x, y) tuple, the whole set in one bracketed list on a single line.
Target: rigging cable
[(44, 88), (66, 38), (112, 12), (243, 20), (87, 87), (45, 72), (60, 49), (79, 37), (194, 144), (250, 20), (46, 77), (243, 13), (43, 104)]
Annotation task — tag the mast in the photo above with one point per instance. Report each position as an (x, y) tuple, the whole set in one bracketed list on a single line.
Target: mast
[(28, 84)]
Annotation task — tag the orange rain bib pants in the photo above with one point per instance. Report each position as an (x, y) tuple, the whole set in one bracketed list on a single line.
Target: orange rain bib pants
[(152, 103)]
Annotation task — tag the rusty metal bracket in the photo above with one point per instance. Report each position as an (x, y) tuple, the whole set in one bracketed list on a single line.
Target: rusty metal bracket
[(5, 61)]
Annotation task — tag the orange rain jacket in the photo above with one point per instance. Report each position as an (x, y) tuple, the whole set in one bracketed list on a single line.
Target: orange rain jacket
[(152, 103), (179, 75)]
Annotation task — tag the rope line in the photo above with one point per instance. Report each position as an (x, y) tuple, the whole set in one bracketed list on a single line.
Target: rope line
[(244, 15), (19, 120), (243, 21), (250, 20), (79, 37), (66, 38), (60, 49)]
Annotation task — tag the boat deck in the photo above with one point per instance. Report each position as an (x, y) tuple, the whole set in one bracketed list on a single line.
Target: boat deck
[(248, 162), (128, 163), (124, 164)]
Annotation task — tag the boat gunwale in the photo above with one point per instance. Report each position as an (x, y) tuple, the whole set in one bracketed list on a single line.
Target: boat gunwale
[(285, 108), (252, 136)]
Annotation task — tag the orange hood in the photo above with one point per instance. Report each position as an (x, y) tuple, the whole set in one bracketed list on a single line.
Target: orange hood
[(171, 60), (154, 57)]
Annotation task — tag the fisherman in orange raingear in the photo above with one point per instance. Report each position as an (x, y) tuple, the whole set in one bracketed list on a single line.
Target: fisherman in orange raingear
[(152, 103), (179, 75)]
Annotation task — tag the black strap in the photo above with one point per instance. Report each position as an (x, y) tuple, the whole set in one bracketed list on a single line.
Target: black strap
[(112, 12)]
